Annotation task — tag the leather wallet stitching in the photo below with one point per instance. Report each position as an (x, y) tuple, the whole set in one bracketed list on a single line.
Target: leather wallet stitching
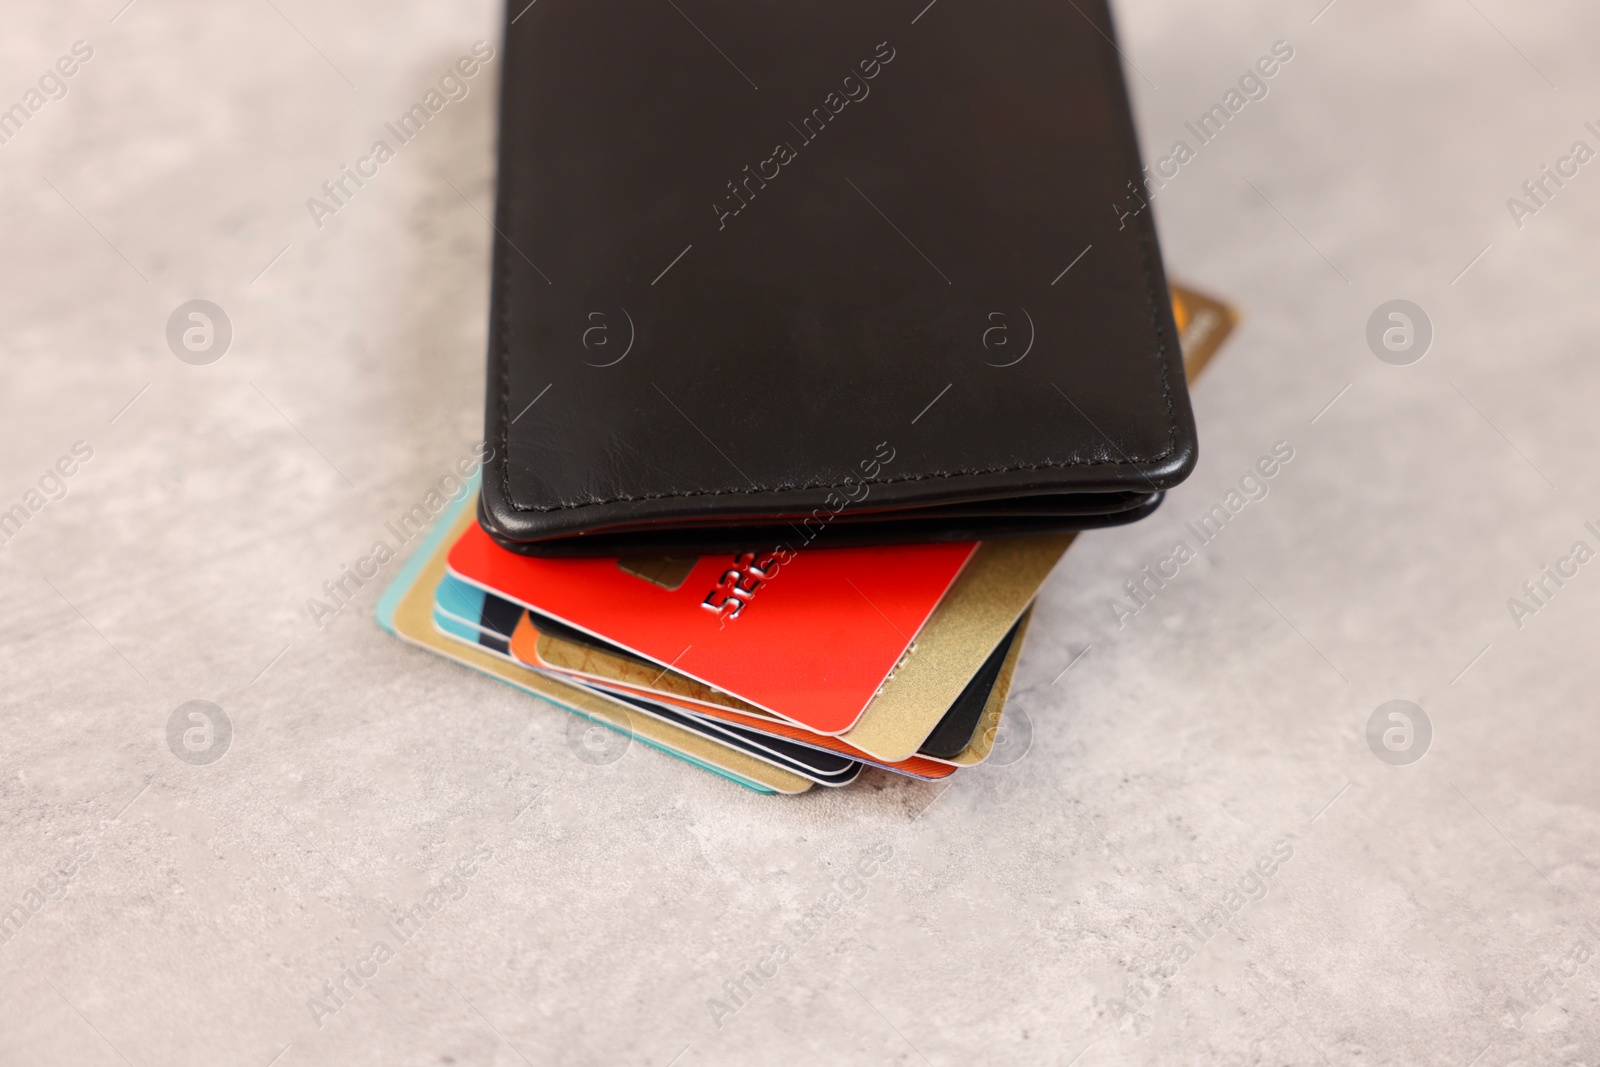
[(505, 407), (502, 300)]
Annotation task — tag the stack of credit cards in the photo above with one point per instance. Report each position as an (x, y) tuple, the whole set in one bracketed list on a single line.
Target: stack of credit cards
[(779, 670)]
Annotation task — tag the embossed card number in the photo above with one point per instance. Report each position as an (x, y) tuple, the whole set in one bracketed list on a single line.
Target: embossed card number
[(740, 583)]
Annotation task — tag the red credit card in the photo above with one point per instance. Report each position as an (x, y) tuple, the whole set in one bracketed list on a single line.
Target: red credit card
[(810, 636)]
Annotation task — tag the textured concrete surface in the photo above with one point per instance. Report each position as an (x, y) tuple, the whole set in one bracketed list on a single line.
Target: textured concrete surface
[(1100, 897)]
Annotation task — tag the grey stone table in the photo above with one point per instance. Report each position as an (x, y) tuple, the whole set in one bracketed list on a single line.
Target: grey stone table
[(1200, 859)]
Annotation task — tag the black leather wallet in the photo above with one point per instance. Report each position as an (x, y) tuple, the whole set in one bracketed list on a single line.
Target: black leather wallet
[(827, 273)]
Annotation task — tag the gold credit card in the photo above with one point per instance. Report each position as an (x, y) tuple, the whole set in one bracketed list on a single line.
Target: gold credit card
[(569, 653), (1203, 324), (983, 603)]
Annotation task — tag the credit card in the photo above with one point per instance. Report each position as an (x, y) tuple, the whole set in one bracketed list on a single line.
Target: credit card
[(406, 610), (527, 641), (972, 620), (817, 637), (555, 648), (822, 767), (1204, 322)]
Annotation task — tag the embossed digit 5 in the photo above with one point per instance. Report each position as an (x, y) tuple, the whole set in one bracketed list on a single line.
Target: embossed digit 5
[(741, 584)]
